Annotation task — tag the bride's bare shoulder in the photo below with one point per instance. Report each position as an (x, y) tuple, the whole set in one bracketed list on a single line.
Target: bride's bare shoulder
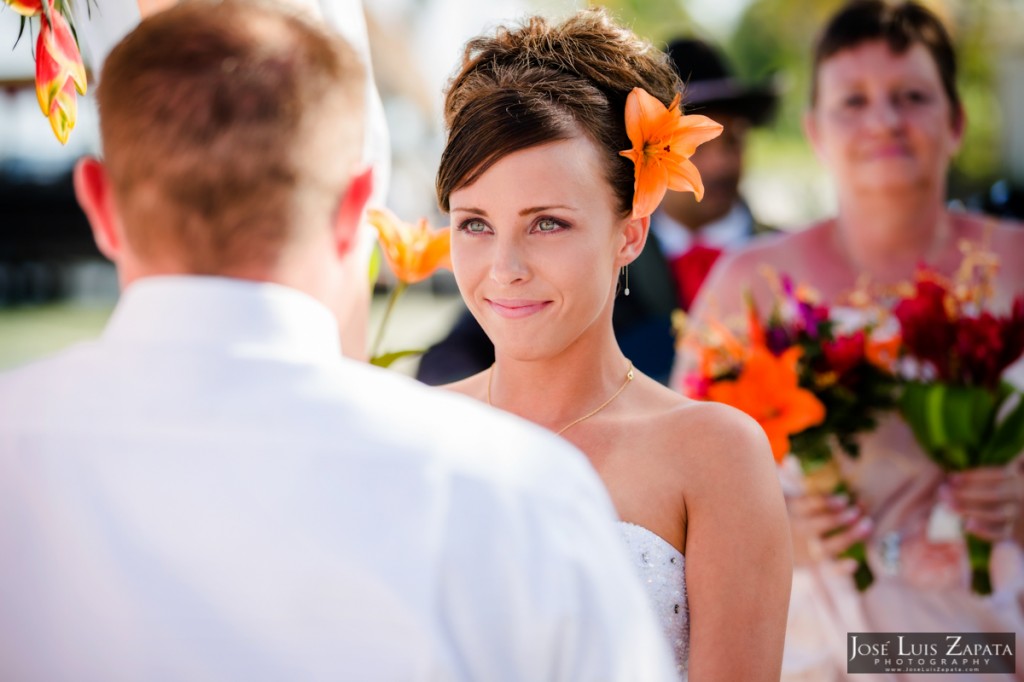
[(708, 439)]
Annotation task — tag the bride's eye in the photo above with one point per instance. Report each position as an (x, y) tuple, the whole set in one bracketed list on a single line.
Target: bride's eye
[(548, 225), (474, 226)]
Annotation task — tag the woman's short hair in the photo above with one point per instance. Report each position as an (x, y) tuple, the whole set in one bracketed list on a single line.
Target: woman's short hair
[(901, 26), (540, 82)]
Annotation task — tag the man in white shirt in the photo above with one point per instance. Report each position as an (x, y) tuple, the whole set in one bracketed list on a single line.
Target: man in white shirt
[(210, 491)]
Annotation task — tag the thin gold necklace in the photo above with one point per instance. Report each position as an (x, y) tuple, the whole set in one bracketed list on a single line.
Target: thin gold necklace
[(588, 415)]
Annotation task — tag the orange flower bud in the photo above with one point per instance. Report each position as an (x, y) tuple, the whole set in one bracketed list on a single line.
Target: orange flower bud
[(414, 252)]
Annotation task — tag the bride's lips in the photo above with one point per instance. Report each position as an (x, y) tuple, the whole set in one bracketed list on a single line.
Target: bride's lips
[(516, 308)]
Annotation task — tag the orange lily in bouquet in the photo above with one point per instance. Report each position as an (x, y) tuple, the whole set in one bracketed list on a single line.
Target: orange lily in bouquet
[(808, 384), (414, 253), (59, 68), (956, 402)]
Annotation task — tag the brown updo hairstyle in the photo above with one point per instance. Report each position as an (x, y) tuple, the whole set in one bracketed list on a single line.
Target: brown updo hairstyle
[(901, 25), (538, 83)]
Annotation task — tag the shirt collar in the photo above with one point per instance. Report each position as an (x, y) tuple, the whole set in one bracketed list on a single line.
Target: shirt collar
[(257, 318), (729, 231)]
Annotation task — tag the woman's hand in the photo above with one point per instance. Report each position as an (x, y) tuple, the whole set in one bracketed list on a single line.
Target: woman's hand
[(990, 499), (824, 526)]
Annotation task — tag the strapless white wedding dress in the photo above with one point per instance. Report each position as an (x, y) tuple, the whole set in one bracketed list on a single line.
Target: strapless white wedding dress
[(661, 568)]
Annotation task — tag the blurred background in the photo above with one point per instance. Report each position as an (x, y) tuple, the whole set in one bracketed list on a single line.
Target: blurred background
[(55, 288)]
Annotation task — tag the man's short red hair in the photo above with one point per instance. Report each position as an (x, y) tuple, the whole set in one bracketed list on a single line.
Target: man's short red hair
[(229, 127)]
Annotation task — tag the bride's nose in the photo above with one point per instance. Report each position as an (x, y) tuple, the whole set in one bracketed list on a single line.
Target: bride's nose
[(508, 262)]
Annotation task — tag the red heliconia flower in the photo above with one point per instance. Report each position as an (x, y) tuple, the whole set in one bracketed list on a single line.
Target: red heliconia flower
[(59, 72), (844, 353), (927, 329)]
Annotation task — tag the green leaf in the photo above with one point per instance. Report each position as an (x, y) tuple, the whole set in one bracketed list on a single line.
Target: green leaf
[(387, 359), (21, 30), (1007, 441), (970, 412), (913, 408), (934, 415)]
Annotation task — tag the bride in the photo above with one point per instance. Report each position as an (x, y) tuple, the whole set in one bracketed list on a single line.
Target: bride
[(543, 218)]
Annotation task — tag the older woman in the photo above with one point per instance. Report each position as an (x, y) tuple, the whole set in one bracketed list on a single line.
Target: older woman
[(885, 120)]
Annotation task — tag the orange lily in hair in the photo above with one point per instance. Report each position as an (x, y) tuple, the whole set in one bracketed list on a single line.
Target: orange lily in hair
[(663, 142), (59, 72), (414, 252)]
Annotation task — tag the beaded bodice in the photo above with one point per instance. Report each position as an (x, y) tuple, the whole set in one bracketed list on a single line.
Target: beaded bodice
[(661, 568)]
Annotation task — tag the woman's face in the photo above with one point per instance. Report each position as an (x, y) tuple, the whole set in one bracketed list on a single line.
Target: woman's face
[(536, 247), (882, 120)]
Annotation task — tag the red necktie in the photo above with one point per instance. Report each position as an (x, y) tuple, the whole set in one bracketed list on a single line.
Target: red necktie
[(690, 269)]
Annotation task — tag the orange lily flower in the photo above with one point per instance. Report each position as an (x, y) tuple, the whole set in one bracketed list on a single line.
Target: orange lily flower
[(59, 72), (883, 353), (768, 390), (663, 142), (414, 252), (26, 8)]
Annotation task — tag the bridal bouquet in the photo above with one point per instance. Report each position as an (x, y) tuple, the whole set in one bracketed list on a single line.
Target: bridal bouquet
[(963, 414), (811, 383), (60, 72)]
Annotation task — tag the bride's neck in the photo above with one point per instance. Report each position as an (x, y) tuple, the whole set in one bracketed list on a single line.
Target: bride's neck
[(553, 391)]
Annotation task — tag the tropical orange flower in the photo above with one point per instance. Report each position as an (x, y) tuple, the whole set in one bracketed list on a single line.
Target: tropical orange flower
[(59, 72), (768, 390), (883, 353), (414, 252), (26, 8), (663, 142)]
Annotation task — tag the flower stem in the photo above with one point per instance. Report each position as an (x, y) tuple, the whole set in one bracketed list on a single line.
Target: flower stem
[(395, 293), (980, 552)]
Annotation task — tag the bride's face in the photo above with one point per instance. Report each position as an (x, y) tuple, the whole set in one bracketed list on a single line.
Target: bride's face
[(536, 247)]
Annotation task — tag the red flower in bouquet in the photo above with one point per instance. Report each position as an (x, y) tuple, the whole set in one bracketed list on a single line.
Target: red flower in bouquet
[(955, 408), (844, 353), (927, 327)]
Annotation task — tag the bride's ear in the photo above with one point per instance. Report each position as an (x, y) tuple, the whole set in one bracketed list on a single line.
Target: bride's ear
[(634, 236)]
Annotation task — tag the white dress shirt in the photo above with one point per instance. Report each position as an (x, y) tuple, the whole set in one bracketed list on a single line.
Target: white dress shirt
[(211, 492)]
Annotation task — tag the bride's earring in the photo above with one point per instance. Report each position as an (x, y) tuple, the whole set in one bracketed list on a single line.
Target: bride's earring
[(625, 274)]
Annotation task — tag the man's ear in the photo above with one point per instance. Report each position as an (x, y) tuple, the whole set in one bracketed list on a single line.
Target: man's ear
[(94, 193), (634, 237), (350, 211)]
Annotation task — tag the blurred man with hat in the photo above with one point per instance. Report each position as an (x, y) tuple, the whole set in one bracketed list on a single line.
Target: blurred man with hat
[(689, 235)]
